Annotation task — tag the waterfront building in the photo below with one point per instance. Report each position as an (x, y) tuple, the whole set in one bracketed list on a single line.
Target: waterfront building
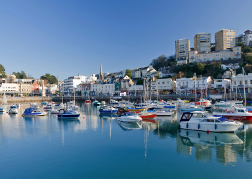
[(188, 84), (222, 83), (233, 53), (224, 39), (238, 83), (10, 89), (202, 42), (70, 84), (103, 88), (165, 85), (136, 89), (182, 47)]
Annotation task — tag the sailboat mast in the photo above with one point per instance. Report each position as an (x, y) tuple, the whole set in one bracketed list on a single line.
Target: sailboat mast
[(244, 86), (195, 88), (201, 90)]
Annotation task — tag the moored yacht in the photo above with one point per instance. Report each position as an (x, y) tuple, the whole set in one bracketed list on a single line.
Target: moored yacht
[(202, 121), (13, 109), (236, 113), (33, 112), (129, 117)]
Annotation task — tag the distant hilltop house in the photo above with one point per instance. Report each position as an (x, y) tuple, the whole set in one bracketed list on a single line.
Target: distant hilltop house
[(246, 38), (144, 72)]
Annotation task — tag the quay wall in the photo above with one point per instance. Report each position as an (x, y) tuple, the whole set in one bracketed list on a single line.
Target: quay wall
[(139, 98), (25, 99)]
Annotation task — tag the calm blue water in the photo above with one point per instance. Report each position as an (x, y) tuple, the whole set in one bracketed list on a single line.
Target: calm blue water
[(99, 147)]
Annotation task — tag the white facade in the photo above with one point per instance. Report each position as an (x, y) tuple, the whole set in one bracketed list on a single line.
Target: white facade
[(133, 88), (9, 88), (163, 84), (100, 88), (189, 83), (222, 83), (237, 82), (247, 38), (71, 83), (234, 53)]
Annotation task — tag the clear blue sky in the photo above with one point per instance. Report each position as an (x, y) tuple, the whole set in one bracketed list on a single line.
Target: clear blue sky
[(68, 38)]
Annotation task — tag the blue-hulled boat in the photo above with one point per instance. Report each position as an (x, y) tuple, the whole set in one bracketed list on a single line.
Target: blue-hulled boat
[(108, 110), (65, 114), (33, 112), (2, 109)]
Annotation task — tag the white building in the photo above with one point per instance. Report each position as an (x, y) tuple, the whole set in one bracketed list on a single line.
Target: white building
[(9, 88), (233, 53), (237, 82), (166, 84), (103, 88), (222, 83), (71, 83), (184, 84)]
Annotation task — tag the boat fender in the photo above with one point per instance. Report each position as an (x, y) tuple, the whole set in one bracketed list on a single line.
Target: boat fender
[(215, 126), (198, 126), (198, 135), (187, 133), (187, 125), (243, 127)]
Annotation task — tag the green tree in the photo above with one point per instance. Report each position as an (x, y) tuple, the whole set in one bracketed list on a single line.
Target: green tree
[(248, 59), (20, 75), (50, 78), (128, 73), (2, 71), (242, 46)]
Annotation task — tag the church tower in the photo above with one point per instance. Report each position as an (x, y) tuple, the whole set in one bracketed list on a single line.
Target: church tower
[(101, 74)]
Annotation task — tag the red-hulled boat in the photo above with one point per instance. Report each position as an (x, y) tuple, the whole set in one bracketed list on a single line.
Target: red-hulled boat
[(147, 115), (240, 114)]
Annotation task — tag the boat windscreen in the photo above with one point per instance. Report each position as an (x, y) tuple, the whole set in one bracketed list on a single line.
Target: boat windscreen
[(186, 116)]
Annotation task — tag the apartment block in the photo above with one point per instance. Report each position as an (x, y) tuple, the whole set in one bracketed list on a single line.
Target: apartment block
[(224, 39), (202, 42), (233, 53), (182, 47)]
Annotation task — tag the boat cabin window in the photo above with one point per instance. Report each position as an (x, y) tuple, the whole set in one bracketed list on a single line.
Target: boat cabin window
[(217, 120), (198, 115), (241, 110), (207, 120)]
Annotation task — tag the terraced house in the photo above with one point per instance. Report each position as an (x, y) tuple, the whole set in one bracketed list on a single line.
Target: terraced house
[(233, 53)]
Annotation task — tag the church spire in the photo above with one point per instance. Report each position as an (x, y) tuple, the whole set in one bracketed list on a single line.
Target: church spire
[(101, 74)]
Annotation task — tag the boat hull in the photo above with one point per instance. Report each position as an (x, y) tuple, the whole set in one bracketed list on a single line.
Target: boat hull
[(150, 116), (129, 118), (213, 127), (66, 116)]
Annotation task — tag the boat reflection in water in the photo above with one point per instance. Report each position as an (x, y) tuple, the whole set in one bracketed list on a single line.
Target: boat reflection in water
[(129, 125), (208, 139)]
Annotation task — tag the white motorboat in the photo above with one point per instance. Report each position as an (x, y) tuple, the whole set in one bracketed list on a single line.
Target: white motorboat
[(13, 109), (54, 111), (190, 107), (236, 113), (129, 117), (223, 104), (202, 121)]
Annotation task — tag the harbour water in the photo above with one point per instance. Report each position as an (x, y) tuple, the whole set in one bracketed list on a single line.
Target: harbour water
[(99, 147)]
